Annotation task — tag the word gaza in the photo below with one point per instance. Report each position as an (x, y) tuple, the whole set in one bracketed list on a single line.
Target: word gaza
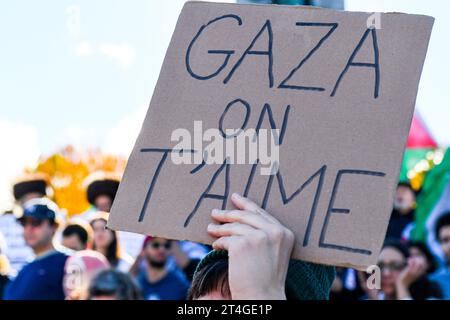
[(285, 83)]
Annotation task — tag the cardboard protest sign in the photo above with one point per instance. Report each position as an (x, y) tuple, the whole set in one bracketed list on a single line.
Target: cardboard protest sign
[(339, 90)]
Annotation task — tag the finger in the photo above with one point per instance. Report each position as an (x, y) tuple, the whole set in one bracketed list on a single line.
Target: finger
[(416, 263), (243, 203), (411, 266), (422, 266), (417, 268), (230, 229), (247, 204), (224, 243), (242, 216)]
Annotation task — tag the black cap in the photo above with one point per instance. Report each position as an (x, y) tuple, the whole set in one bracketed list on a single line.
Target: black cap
[(28, 183), (101, 183)]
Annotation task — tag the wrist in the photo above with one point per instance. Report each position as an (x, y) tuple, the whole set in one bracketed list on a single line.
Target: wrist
[(271, 294)]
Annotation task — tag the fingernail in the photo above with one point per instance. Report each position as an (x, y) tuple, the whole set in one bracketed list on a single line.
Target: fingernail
[(211, 226), (236, 196), (215, 211)]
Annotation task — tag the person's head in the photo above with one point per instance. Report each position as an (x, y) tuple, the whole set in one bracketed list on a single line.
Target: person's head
[(30, 186), (105, 240), (405, 198), (79, 270), (101, 189), (156, 251), (420, 249), (392, 260), (39, 221), (77, 236), (210, 281), (443, 233), (113, 285)]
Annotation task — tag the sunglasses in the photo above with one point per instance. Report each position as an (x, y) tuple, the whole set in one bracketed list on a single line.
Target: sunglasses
[(393, 266), (157, 245), (32, 222)]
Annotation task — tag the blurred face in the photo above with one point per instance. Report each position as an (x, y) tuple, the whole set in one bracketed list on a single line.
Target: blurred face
[(37, 233), (103, 203), (391, 263), (415, 252), (444, 239), (157, 251), (102, 236), (404, 199), (73, 242)]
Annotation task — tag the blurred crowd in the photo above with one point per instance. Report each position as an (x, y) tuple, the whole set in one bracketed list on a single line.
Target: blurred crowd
[(408, 269), (46, 255)]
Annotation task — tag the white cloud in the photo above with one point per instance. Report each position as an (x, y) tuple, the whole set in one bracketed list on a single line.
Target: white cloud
[(117, 139), (121, 138), (76, 135), (80, 135), (20, 149), (123, 53), (83, 49)]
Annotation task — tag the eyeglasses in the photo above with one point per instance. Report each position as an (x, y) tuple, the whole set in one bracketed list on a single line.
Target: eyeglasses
[(393, 266), (32, 222), (444, 239), (157, 245)]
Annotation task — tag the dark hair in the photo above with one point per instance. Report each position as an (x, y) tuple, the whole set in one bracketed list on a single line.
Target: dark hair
[(212, 277), (112, 252), (113, 283), (22, 188), (443, 221), (398, 245), (426, 252), (409, 186), (423, 289), (78, 230)]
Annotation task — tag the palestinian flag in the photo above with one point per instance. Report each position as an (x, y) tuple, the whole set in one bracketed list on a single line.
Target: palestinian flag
[(426, 168), (433, 200), (419, 145)]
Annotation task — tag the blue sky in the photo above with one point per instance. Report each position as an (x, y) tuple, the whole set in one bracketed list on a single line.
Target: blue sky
[(74, 69), (83, 72)]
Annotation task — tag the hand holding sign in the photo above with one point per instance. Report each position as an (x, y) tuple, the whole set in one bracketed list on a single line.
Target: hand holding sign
[(259, 248)]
